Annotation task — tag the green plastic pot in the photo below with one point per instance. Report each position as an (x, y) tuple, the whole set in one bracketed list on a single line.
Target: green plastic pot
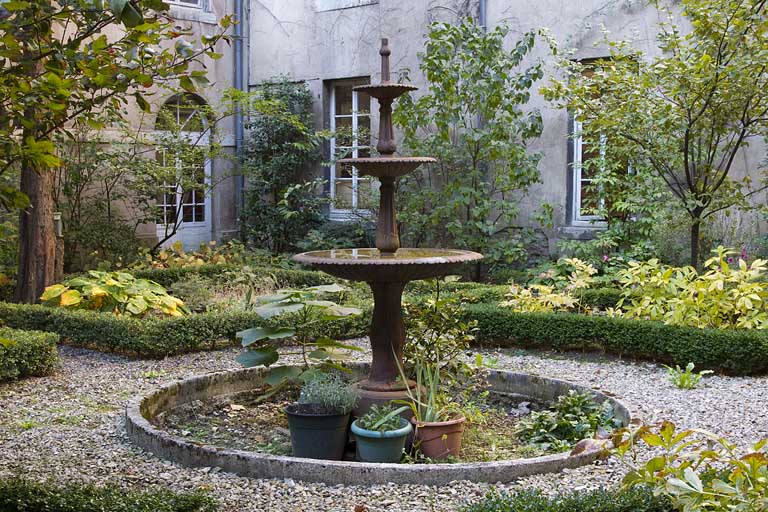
[(373, 446), (317, 434)]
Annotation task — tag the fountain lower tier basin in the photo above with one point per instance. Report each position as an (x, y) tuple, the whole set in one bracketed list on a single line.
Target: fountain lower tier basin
[(142, 411), (387, 166), (371, 266), (386, 91)]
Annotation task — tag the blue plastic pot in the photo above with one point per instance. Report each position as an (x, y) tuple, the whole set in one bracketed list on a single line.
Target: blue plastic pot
[(373, 446)]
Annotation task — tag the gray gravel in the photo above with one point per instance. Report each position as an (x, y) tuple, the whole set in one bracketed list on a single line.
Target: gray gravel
[(68, 427)]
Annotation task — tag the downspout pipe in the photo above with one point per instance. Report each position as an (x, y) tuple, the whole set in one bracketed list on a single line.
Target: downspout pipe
[(483, 14), (239, 84)]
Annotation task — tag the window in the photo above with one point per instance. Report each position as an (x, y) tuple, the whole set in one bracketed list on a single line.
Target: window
[(186, 3), (183, 206), (588, 158), (350, 120)]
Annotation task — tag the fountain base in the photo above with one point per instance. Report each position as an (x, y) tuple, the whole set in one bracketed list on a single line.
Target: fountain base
[(371, 395)]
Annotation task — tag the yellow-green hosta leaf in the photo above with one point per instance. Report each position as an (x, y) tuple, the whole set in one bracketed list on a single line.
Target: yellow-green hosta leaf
[(70, 298), (53, 291)]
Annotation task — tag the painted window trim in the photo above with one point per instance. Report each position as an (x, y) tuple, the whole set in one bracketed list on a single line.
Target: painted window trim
[(577, 219), (345, 214)]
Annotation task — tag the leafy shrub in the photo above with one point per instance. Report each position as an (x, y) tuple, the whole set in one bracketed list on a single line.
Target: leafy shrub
[(281, 277), (24, 496), (27, 353), (631, 500), (572, 417), (562, 295), (115, 292), (685, 379), (698, 471), (208, 254), (328, 391), (722, 297), (337, 235)]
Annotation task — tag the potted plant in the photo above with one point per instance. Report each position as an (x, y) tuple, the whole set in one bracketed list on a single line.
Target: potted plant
[(439, 423), (381, 433), (319, 420)]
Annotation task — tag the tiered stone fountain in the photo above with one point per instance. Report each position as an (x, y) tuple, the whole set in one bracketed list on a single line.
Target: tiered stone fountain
[(388, 267)]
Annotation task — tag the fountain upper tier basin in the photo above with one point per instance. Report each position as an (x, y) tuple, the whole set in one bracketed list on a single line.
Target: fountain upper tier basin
[(385, 91), (370, 266), (387, 166)]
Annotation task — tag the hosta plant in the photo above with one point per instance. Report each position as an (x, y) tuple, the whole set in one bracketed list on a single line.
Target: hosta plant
[(562, 295), (208, 254), (699, 471), (305, 309), (728, 294), (113, 292)]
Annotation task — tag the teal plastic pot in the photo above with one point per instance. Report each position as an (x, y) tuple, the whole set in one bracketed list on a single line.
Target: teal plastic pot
[(373, 446), (317, 434)]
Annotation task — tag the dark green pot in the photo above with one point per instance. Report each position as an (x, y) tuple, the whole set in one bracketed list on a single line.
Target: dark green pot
[(373, 446), (317, 434)]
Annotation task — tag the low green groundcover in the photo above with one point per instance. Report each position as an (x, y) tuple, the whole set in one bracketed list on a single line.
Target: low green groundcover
[(23, 496), (27, 353), (633, 500)]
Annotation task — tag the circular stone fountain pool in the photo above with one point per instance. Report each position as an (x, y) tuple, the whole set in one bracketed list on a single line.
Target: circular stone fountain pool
[(142, 412)]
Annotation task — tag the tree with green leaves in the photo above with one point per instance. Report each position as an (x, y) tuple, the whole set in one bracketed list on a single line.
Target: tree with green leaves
[(472, 119), (75, 62), (687, 113)]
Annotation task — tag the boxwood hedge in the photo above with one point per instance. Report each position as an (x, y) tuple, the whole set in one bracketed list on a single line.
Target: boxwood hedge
[(632, 500), (152, 337), (283, 277), (27, 353), (19, 495), (739, 352)]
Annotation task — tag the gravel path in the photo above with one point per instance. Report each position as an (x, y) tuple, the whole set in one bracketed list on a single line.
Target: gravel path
[(69, 427)]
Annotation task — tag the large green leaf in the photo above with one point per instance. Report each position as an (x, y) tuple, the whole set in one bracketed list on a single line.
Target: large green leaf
[(268, 311), (337, 311), (263, 356), (326, 288), (255, 334), (280, 374)]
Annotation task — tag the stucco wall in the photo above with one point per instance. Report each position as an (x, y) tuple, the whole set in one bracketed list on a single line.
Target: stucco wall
[(296, 38)]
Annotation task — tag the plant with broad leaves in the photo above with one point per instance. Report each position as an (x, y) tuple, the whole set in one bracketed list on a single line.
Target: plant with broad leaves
[(571, 418), (724, 296), (114, 292), (685, 379), (307, 308), (699, 471), (563, 295)]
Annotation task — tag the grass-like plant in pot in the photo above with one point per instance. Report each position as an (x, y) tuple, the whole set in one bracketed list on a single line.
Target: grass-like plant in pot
[(320, 419), (381, 433), (439, 422)]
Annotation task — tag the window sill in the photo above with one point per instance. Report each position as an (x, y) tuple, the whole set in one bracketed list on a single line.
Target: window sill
[(584, 231), (348, 215), (180, 13)]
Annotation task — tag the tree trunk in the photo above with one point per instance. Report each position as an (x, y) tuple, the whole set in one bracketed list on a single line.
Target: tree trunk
[(695, 230), (37, 243)]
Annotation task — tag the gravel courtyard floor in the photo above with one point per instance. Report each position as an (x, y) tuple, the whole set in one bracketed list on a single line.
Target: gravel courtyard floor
[(69, 427)]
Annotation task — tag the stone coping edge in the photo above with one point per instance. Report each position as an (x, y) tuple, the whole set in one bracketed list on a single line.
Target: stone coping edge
[(140, 410)]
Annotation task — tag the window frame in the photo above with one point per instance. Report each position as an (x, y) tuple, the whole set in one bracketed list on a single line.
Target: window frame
[(344, 214), (198, 4), (576, 180)]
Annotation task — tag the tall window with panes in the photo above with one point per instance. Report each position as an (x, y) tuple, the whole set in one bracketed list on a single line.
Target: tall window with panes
[(350, 122), (588, 159)]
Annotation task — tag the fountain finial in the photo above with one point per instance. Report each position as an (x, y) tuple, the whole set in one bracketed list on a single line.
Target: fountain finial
[(385, 52)]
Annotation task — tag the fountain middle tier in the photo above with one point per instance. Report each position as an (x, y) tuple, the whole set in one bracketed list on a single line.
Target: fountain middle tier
[(370, 265), (387, 166)]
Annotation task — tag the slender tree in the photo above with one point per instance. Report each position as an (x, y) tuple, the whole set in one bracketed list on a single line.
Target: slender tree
[(689, 112), (70, 62)]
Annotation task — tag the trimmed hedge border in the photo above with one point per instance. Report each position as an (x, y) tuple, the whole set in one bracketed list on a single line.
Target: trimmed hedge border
[(632, 500), (151, 337), (29, 353), (736, 352), (20, 495), (284, 277)]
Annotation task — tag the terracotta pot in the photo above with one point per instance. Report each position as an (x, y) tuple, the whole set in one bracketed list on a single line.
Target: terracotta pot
[(440, 439)]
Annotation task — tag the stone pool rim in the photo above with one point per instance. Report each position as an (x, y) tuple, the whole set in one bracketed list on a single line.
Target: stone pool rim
[(140, 410)]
